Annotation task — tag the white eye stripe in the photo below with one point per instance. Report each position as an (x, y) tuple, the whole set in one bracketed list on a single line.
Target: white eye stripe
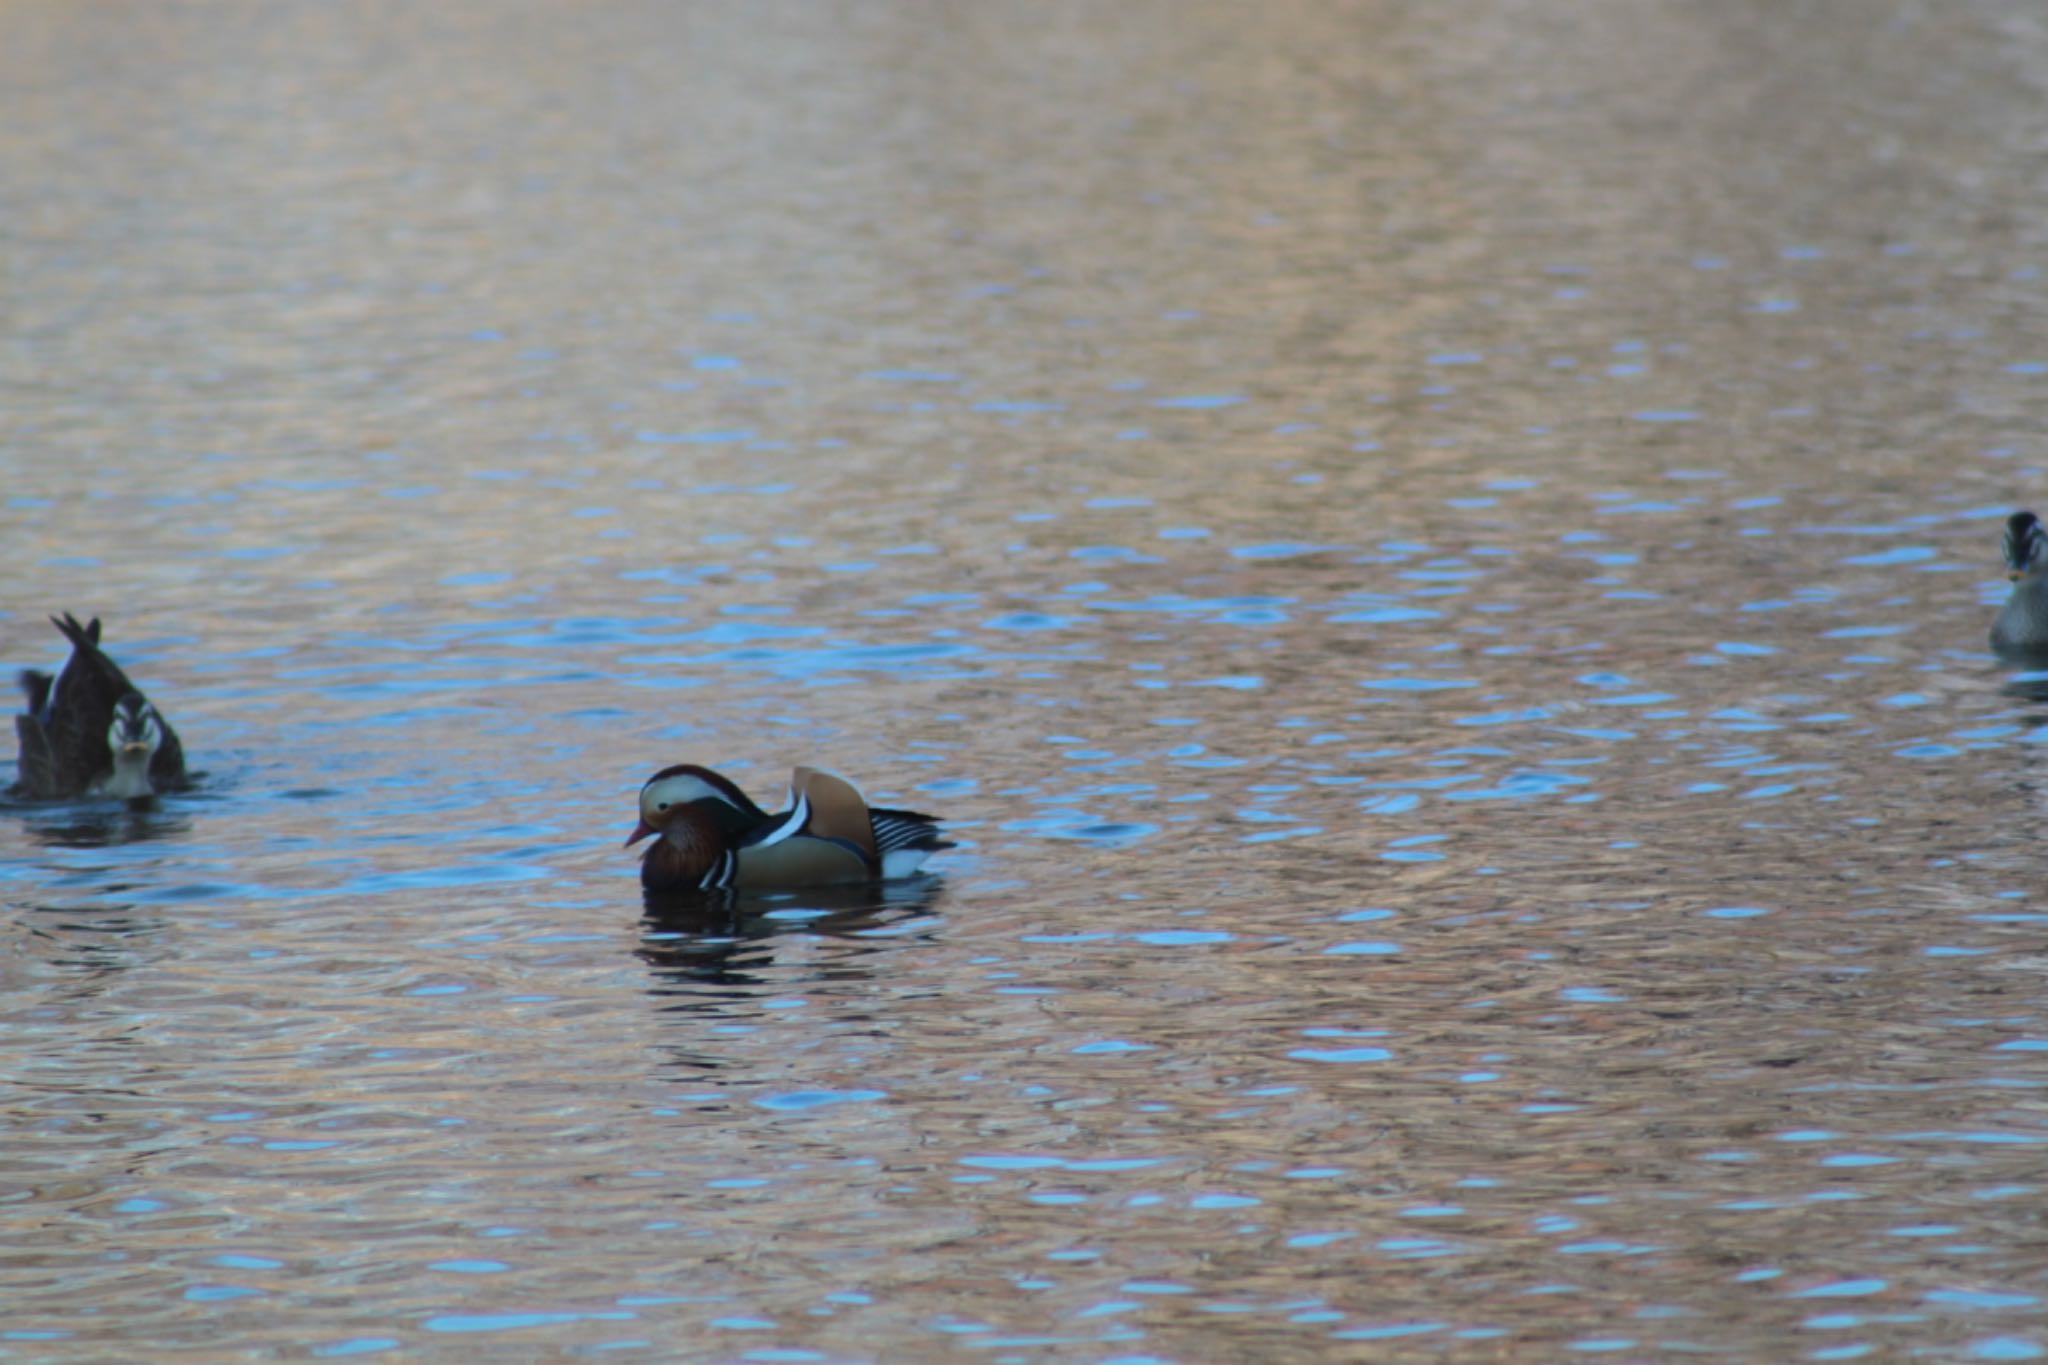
[(135, 725), (680, 790)]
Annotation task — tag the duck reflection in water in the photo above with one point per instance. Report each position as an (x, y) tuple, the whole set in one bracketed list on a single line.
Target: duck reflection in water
[(2031, 683), (96, 824), (712, 950)]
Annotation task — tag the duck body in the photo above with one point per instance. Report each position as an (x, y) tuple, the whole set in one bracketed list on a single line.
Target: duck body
[(711, 836), (90, 732), (2022, 624)]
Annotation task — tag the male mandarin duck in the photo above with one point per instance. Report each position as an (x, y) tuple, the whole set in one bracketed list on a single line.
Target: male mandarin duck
[(89, 732), (2022, 624), (711, 835)]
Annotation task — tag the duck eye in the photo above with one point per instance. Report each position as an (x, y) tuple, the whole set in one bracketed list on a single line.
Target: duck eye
[(662, 806)]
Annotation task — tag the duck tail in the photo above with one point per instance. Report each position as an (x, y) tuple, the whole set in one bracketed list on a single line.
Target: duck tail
[(81, 637), (896, 829)]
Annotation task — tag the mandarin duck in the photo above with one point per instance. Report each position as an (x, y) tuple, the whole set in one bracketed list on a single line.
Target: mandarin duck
[(711, 836), (2022, 623), (89, 732)]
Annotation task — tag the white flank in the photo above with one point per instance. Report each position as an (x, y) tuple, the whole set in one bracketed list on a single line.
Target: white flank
[(902, 862)]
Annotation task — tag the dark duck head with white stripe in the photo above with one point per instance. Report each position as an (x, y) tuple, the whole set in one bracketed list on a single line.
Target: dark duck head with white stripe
[(2021, 629), (711, 836), (90, 732)]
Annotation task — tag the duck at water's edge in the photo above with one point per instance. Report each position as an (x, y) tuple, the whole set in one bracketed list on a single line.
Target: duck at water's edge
[(711, 836), (89, 732), (2022, 623)]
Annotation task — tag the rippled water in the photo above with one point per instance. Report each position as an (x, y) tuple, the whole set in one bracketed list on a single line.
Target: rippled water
[(1436, 558)]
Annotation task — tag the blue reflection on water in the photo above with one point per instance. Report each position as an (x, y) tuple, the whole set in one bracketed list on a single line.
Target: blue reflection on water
[(803, 1100), (1201, 400), (513, 1322), (356, 1346), (1416, 684)]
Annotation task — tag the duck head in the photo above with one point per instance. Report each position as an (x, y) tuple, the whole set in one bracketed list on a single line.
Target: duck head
[(133, 736), (699, 816), (695, 803), (2026, 545)]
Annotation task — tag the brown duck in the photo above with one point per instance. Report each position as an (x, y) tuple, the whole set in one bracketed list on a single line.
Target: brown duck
[(711, 835)]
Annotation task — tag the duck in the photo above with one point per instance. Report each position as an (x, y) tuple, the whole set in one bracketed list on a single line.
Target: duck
[(91, 732), (2022, 623), (711, 836)]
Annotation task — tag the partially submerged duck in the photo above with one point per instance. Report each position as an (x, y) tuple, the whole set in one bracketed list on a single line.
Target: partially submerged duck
[(711, 836), (90, 732), (2022, 624)]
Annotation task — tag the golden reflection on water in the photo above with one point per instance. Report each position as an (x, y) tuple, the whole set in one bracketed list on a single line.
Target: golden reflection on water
[(1436, 557)]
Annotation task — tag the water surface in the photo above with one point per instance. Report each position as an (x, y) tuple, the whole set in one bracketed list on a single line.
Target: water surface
[(1436, 558)]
